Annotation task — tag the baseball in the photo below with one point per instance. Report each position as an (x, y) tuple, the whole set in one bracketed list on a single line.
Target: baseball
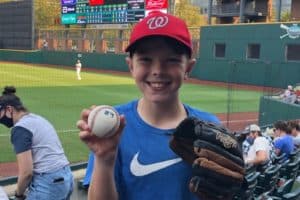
[(103, 121)]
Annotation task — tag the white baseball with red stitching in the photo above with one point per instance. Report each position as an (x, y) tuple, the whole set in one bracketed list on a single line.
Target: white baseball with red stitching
[(104, 121)]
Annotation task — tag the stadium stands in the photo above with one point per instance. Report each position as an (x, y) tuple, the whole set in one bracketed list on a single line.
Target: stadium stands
[(292, 195)]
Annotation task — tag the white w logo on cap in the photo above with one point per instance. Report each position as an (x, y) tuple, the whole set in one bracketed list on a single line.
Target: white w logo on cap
[(157, 22)]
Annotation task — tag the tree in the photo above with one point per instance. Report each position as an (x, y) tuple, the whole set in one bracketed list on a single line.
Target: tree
[(46, 13), (285, 16), (190, 13)]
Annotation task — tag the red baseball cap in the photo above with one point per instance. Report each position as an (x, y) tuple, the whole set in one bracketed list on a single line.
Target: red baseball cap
[(161, 24)]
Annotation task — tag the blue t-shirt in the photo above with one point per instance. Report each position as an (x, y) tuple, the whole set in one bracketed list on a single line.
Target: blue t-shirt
[(285, 144), (146, 168)]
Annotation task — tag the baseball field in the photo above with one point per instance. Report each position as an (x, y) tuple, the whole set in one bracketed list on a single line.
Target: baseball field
[(55, 93)]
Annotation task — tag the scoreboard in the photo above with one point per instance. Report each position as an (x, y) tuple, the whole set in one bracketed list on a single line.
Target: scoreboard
[(110, 12)]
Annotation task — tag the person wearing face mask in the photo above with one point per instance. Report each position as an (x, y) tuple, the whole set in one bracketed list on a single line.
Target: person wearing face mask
[(43, 169), (259, 146)]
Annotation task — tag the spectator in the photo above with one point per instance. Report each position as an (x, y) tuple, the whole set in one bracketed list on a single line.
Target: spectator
[(289, 95), (243, 140), (43, 169), (260, 149), (284, 142), (295, 132), (74, 47), (45, 44), (297, 101)]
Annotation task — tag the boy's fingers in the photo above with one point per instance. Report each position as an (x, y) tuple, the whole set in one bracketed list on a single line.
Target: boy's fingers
[(84, 135), (84, 114), (82, 125)]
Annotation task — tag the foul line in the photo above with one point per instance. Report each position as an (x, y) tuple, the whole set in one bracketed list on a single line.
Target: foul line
[(59, 131)]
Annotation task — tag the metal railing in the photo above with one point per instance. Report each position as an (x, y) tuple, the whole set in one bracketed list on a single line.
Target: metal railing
[(226, 9), (233, 9)]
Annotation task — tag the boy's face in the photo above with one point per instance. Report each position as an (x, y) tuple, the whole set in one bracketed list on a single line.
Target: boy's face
[(294, 132), (158, 70)]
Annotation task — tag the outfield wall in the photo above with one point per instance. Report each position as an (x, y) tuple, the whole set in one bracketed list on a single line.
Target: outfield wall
[(272, 110), (91, 60), (249, 54)]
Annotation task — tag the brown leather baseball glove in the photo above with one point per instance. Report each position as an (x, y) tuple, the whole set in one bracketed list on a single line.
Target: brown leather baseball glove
[(215, 155)]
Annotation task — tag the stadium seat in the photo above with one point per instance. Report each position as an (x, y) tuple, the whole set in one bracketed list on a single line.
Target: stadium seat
[(262, 167), (266, 196), (294, 155), (246, 193), (267, 181), (295, 195), (250, 168), (283, 189), (278, 159), (290, 170), (283, 166)]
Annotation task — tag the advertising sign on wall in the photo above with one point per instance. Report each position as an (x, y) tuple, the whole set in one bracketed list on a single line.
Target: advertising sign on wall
[(68, 19), (68, 9), (68, 2), (96, 2), (156, 5)]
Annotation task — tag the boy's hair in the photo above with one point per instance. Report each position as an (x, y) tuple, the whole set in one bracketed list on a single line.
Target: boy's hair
[(9, 98), (294, 124), (281, 125), (177, 47), (161, 24)]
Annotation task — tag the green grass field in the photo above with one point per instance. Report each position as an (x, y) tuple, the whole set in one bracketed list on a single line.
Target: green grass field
[(57, 95)]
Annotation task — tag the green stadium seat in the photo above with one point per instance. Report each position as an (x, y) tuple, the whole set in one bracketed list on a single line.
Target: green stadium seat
[(294, 195), (262, 167), (246, 193), (284, 189), (290, 170), (278, 159), (267, 181), (294, 155), (250, 168), (266, 196)]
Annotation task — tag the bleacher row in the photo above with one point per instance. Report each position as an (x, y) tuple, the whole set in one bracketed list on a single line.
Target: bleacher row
[(272, 182), (266, 182)]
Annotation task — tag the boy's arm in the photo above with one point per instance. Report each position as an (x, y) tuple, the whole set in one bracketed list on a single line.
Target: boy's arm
[(102, 185)]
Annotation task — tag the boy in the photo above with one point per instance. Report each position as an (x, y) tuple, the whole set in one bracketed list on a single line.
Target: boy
[(137, 163)]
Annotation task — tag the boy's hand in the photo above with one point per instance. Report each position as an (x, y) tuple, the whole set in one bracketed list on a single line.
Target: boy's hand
[(215, 155), (104, 148)]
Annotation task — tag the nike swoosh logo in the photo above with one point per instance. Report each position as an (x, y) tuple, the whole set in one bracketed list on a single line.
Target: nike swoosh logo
[(139, 169)]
